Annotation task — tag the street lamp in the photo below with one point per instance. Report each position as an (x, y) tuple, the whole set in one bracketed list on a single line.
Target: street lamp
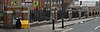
[(53, 24), (80, 9), (62, 13)]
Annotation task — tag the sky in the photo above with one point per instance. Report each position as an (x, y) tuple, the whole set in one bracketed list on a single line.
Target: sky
[(88, 0)]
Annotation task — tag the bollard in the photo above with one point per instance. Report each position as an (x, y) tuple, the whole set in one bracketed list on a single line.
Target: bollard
[(53, 24), (62, 23)]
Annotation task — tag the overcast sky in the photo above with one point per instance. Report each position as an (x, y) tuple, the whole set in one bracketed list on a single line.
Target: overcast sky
[(88, 0)]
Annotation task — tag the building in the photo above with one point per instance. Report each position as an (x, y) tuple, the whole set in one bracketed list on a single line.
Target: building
[(8, 9)]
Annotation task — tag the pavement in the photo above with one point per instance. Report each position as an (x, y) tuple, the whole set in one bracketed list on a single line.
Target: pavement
[(91, 26), (48, 27)]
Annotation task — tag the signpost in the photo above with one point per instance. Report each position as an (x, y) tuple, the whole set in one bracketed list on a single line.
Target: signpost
[(80, 10), (27, 3)]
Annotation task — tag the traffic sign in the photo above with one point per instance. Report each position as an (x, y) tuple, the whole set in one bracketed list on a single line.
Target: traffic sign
[(35, 3), (34, 7), (28, 1)]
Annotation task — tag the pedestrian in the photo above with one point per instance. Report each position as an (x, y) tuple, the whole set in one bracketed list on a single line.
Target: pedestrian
[(18, 23)]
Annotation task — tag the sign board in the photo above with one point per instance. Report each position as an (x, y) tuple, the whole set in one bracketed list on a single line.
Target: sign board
[(28, 1), (35, 3), (27, 4)]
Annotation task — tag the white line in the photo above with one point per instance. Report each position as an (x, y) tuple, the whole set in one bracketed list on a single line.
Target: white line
[(97, 27)]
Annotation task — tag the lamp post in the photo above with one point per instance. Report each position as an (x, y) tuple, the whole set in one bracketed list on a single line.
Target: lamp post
[(80, 9), (62, 13), (52, 19)]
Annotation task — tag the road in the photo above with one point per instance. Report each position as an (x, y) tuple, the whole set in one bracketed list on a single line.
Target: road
[(14, 30), (91, 26)]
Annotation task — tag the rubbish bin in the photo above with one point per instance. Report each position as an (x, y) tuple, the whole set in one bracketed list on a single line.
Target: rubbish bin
[(24, 24)]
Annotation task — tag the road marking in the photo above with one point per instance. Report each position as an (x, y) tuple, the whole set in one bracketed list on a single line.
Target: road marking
[(68, 30), (97, 27)]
